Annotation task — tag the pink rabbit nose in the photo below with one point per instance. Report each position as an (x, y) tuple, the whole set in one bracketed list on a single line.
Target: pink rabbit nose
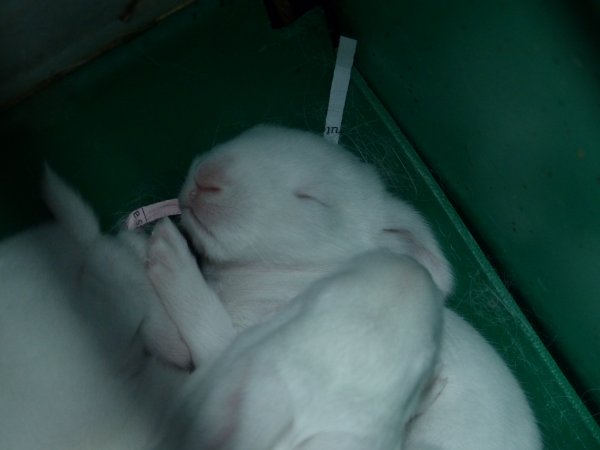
[(203, 189), (208, 181)]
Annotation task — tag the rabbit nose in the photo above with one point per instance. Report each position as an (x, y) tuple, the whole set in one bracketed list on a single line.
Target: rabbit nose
[(208, 181), (207, 188), (201, 189)]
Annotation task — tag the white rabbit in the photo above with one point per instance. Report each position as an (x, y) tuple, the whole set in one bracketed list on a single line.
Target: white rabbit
[(342, 366), (481, 405), (274, 210), (113, 272), (71, 374)]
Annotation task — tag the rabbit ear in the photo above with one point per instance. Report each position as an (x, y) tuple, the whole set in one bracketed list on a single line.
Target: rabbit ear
[(406, 231)]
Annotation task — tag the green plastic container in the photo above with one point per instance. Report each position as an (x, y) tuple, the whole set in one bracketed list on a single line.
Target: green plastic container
[(502, 100), (124, 128)]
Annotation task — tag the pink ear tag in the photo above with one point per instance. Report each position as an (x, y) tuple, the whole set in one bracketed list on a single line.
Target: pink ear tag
[(150, 213)]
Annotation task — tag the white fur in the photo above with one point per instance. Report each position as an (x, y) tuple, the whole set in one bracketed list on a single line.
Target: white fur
[(113, 271), (481, 406), (71, 374), (75, 215), (290, 198), (273, 211), (341, 366)]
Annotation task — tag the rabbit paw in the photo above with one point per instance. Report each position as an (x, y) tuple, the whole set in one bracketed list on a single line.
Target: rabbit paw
[(170, 264), (201, 320), (136, 242)]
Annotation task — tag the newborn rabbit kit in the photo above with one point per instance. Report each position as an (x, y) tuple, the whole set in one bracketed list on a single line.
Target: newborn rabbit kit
[(278, 219), (280, 308), (276, 210)]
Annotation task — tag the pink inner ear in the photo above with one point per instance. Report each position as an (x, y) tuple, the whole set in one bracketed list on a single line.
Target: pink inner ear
[(419, 252)]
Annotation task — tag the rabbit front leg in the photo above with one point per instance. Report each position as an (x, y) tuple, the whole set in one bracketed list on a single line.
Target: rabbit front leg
[(159, 334), (203, 322), (114, 289)]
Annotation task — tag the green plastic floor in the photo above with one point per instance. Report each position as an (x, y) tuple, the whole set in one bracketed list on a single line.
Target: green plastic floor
[(124, 129)]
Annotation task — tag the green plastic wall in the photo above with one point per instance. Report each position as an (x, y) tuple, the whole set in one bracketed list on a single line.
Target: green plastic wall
[(502, 100), (40, 40), (124, 128)]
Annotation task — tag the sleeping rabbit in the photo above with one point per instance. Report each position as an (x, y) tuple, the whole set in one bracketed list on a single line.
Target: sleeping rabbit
[(343, 365), (272, 212), (72, 375)]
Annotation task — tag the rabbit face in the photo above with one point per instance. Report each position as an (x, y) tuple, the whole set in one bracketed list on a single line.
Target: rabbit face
[(281, 196), (278, 196)]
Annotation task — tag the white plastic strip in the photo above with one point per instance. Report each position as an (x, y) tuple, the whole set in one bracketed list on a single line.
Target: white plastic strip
[(150, 213), (339, 88)]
